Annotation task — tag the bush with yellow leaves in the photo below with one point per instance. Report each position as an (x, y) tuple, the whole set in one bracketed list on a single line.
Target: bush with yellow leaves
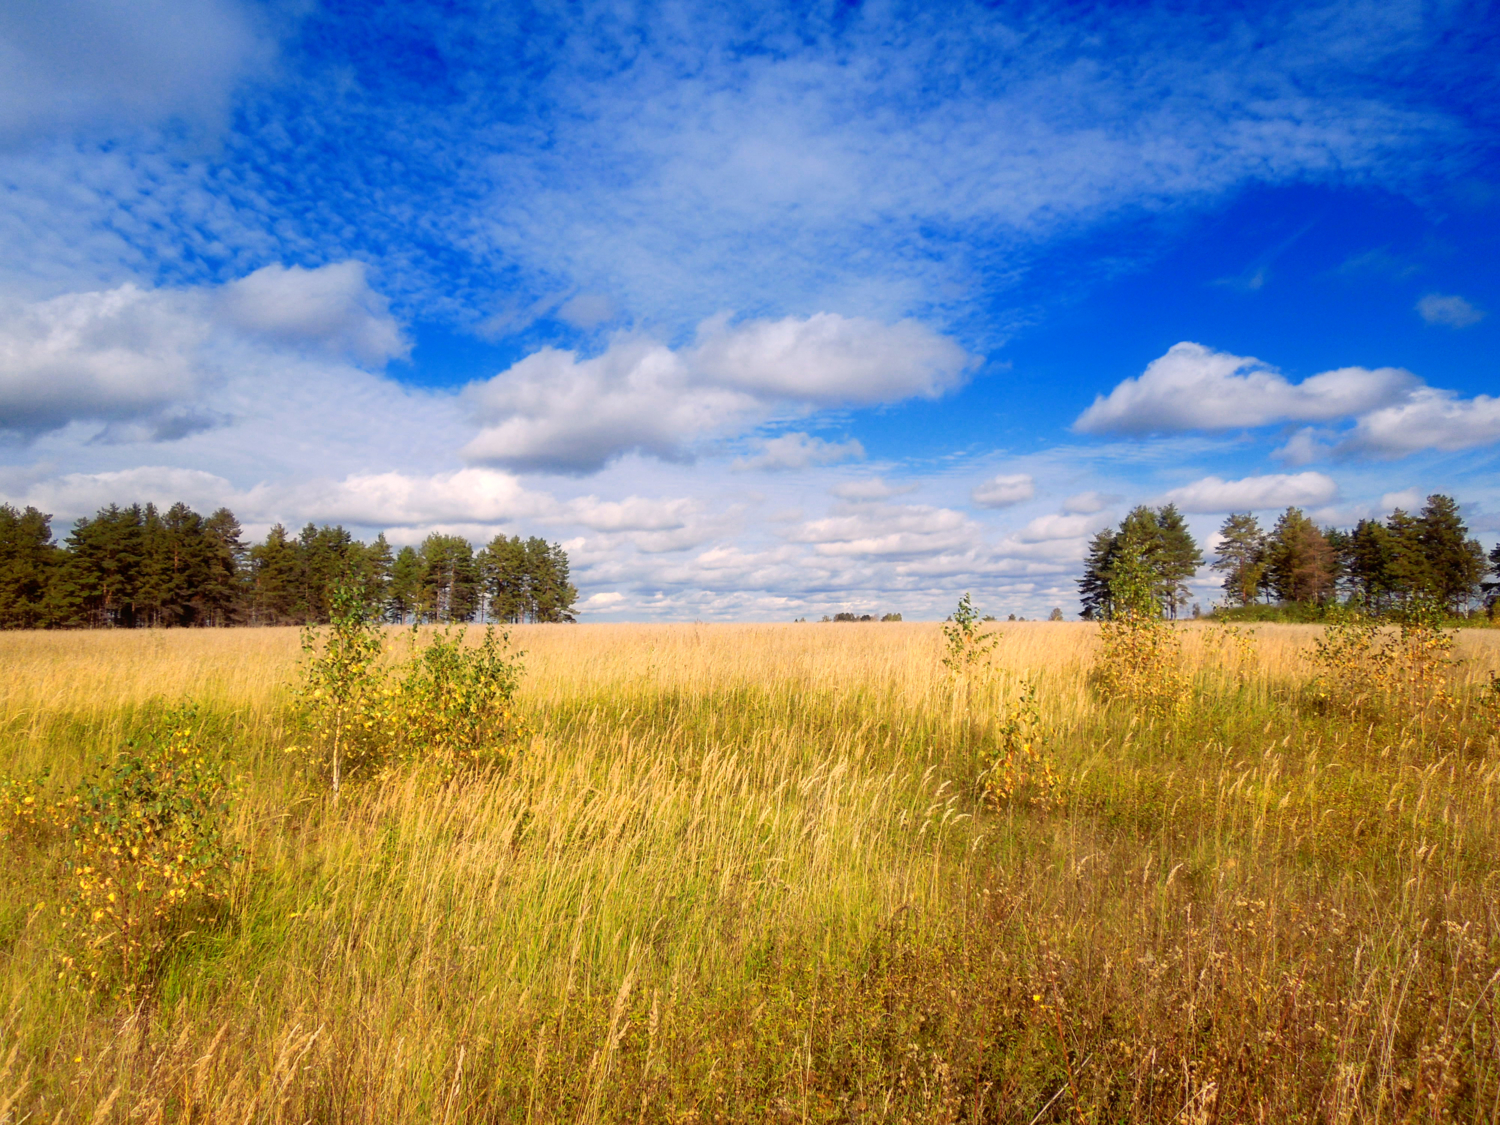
[(1140, 655), (343, 697), (1357, 665), (454, 708), (450, 706), (969, 646), (147, 861), (1022, 771)]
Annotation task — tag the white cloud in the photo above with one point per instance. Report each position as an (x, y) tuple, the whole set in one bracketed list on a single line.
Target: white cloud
[(799, 451), (74, 495), (1086, 503), (829, 360), (1046, 529), (1004, 490), (1408, 499), (634, 513), (331, 308), (79, 62), (887, 530), (146, 356), (1277, 490), (588, 310), (1309, 444), (122, 353), (603, 600), (1455, 312), (867, 488), (1429, 419), (1196, 388), (554, 411)]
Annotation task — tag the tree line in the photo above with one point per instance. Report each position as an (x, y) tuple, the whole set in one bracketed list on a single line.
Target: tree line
[(1382, 565), (136, 566)]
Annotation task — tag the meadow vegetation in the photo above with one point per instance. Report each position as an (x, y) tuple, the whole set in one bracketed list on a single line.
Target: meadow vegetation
[(764, 873)]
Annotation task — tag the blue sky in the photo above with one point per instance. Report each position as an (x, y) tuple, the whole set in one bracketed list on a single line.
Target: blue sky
[(762, 311)]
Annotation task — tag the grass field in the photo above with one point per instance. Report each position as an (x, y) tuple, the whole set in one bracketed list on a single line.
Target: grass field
[(745, 873)]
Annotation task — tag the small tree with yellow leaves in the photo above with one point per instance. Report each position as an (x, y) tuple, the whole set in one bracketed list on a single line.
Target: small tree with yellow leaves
[(147, 860), (343, 696), (1140, 656), (969, 646), (1022, 770)]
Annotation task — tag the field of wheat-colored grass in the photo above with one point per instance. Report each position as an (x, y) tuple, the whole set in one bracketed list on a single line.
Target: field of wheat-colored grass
[(748, 873)]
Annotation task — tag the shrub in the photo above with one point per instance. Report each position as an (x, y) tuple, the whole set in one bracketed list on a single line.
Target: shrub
[(455, 706), (148, 860), (1022, 771), (1357, 666), (342, 696), (969, 646), (1140, 656)]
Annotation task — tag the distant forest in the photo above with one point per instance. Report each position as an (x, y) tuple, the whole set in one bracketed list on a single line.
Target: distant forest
[(1297, 566), (138, 566)]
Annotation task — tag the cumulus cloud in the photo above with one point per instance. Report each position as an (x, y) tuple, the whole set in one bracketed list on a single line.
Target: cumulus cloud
[(1086, 503), (634, 513), (1454, 312), (121, 353), (1429, 419), (144, 356), (800, 451), (1004, 490), (331, 308), (1276, 490), (1195, 388), (1046, 529), (887, 530), (1408, 499), (554, 411), (829, 360), (74, 495)]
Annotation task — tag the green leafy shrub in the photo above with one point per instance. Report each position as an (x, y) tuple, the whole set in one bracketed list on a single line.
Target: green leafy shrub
[(147, 860), (449, 705), (1359, 666)]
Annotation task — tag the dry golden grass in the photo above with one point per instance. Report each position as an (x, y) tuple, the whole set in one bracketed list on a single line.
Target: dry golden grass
[(745, 873)]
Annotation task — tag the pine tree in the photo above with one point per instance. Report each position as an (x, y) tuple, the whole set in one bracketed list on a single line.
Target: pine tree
[(1366, 557), (224, 589), (506, 579), (1455, 563), (1242, 558), (1098, 569), (450, 579), (275, 579), (1301, 566), (99, 582), (28, 565), (404, 593)]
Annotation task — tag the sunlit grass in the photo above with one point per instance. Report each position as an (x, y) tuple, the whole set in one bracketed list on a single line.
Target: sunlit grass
[(747, 873)]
